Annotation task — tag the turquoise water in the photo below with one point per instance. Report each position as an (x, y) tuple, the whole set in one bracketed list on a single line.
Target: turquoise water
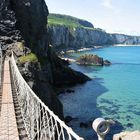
[(114, 91)]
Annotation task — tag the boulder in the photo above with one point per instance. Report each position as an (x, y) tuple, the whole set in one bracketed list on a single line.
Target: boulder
[(83, 125), (106, 62), (90, 59), (135, 135), (68, 119), (70, 91)]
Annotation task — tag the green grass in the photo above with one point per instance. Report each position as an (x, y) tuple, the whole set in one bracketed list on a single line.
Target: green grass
[(57, 19), (69, 21), (28, 58)]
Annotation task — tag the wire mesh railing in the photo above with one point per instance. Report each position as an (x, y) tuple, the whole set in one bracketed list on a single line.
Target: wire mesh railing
[(40, 122)]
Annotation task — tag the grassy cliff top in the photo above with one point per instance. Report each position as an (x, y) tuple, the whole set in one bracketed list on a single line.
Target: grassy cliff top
[(57, 19)]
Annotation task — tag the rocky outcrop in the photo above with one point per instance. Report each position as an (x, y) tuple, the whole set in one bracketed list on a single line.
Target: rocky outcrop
[(127, 136), (8, 31), (31, 18), (62, 75), (91, 59), (107, 62), (65, 38), (25, 22)]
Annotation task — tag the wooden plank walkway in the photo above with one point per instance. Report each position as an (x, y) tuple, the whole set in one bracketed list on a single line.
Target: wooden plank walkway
[(8, 125)]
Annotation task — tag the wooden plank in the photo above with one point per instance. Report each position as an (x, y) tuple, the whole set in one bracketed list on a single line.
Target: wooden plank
[(8, 125)]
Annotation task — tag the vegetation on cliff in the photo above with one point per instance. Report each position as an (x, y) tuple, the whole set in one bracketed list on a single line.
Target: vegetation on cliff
[(28, 58), (57, 19), (73, 35)]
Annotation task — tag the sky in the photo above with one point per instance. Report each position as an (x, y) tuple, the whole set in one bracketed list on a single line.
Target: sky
[(114, 16)]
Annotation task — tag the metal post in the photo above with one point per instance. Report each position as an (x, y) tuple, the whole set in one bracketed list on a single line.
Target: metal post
[(102, 127)]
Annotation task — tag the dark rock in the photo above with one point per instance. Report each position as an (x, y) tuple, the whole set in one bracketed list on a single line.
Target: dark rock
[(61, 92), (70, 91), (117, 117), (8, 31), (62, 75), (68, 119), (106, 62), (86, 23), (83, 125), (129, 125), (90, 59), (31, 16)]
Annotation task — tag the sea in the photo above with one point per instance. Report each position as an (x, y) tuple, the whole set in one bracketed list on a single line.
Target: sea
[(113, 93)]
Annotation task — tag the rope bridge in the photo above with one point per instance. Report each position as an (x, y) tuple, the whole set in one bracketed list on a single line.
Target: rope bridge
[(40, 122)]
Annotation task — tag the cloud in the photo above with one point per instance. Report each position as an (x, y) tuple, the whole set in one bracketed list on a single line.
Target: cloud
[(108, 4)]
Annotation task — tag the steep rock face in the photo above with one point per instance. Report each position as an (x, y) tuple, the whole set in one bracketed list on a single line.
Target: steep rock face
[(8, 32), (77, 37), (31, 18), (65, 37), (126, 39), (32, 21), (11, 32), (28, 18)]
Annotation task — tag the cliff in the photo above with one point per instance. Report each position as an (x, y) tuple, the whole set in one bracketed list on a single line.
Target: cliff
[(75, 38), (23, 30), (8, 31), (65, 37)]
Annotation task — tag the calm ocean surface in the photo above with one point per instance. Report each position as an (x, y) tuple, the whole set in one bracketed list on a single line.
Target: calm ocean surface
[(113, 93)]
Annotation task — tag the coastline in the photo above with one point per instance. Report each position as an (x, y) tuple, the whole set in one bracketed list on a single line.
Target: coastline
[(98, 47), (88, 49), (125, 45), (79, 50), (108, 87), (68, 59)]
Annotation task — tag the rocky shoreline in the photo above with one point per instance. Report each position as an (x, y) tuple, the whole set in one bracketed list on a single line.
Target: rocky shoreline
[(90, 59), (76, 38), (25, 24)]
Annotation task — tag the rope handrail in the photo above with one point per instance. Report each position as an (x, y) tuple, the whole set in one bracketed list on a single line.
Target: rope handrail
[(40, 122)]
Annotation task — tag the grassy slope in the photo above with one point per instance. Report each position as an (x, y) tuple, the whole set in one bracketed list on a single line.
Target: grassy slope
[(28, 58), (65, 20), (57, 19)]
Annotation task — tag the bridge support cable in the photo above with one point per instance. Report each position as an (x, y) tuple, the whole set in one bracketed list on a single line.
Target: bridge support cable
[(40, 122)]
